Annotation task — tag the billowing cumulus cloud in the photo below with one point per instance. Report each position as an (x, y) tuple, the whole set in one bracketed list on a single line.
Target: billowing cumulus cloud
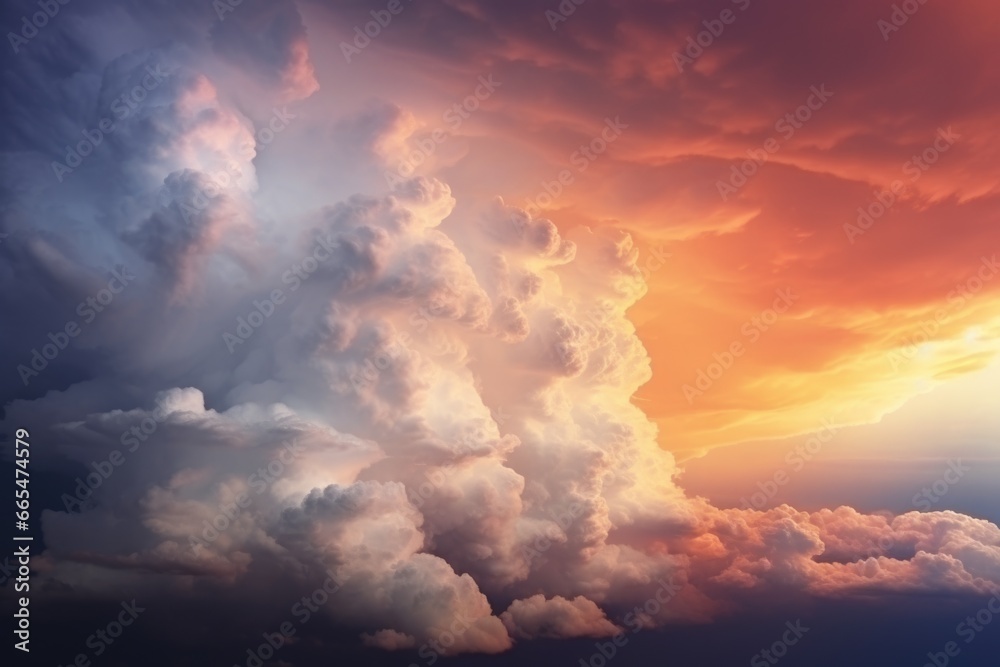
[(557, 618), (421, 393)]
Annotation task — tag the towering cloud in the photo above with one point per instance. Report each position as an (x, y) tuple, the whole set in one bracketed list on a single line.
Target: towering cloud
[(423, 396)]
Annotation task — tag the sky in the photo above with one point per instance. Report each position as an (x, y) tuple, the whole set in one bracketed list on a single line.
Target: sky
[(452, 332)]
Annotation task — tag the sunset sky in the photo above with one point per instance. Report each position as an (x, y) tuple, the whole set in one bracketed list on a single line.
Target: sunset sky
[(543, 309)]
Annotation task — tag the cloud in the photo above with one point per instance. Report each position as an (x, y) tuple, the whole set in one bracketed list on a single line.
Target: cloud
[(556, 618), (425, 392), (267, 39), (390, 640)]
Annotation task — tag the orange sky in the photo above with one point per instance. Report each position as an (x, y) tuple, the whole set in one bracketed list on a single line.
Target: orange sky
[(843, 347)]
